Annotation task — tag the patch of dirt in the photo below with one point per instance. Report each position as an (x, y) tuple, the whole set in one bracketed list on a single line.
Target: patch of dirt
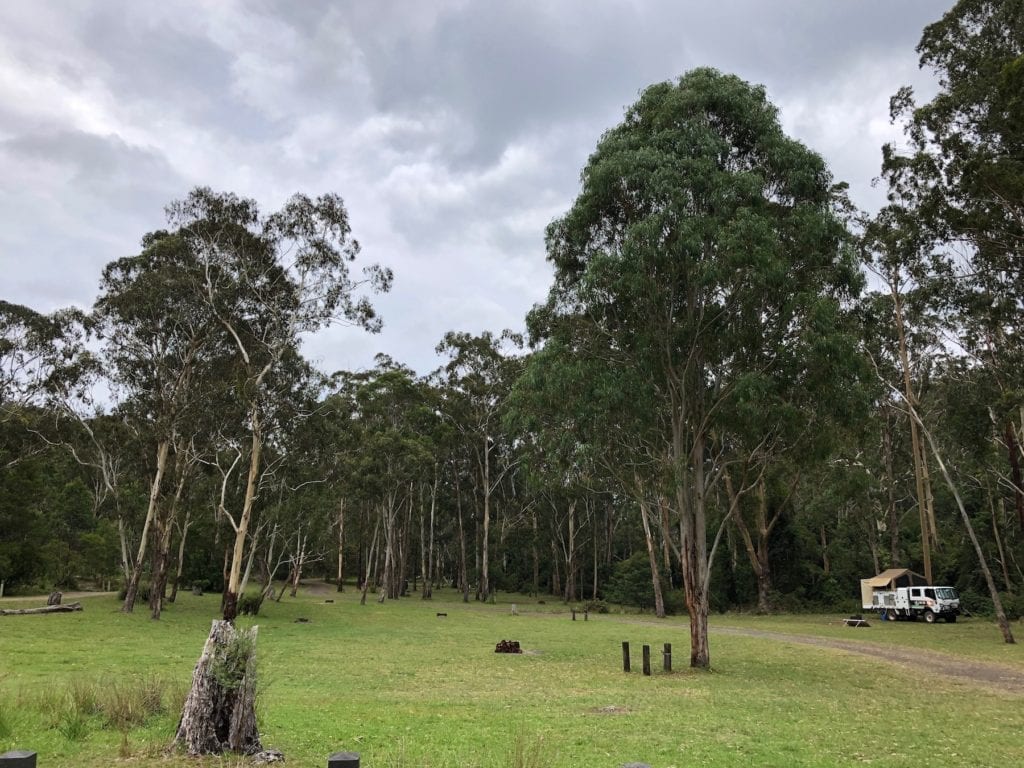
[(610, 710)]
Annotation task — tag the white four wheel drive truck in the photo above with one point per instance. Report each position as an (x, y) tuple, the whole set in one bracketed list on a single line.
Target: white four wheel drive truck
[(895, 596)]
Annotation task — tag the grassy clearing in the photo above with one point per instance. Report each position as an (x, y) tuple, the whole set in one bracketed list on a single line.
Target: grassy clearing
[(408, 688)]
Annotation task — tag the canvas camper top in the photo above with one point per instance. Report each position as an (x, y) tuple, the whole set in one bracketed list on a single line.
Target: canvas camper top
[(890, 579)]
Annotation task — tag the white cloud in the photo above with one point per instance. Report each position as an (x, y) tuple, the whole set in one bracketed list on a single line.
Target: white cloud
[(454, 130)]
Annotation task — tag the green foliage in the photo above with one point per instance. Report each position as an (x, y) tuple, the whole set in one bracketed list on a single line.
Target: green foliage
[(249, 604), (142, 595), (232, 662), (630, 583), (595, 606)]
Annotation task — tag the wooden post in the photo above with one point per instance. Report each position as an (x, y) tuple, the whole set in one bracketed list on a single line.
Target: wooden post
[(18, 758), (647, 660), (667, 656), (574, 614), (625, 656), (586, 614), (343, 760)]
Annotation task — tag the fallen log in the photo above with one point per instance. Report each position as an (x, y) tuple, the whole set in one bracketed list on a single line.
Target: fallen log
[(47, 609)]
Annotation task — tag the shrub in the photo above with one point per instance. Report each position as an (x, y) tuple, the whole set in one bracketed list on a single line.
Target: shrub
[(596, 606), (250, 604), (141, 596)]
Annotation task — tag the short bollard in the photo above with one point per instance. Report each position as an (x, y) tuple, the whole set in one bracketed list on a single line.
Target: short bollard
[(647, 660), (625, 656), (18, 758), (667, 657), (574, 614), (343, 760)]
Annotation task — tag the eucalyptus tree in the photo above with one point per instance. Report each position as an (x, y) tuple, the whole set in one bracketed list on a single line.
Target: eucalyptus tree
[(704, 251), (155, 332), (266, 280), (479, 375), (963, 179), (395, 455)]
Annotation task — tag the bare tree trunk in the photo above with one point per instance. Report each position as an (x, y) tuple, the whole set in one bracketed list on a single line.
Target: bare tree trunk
[(873, 544), (162, 548), (485, 584), (1015, 472), (999, 540), (122, 535), (826, 566), (536, 556), (463, 575), (181, 556), (220, 709), (652, 557), (556, 581), (890, 481), (301, 543), (369, 563), (341, 546), (570, 556), (997, 603), (241, 531), (162, 450), (920, 471), (429, 576)]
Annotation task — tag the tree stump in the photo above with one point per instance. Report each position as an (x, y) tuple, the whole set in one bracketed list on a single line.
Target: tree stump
[(508, 646), (220, 710), (54, 598)]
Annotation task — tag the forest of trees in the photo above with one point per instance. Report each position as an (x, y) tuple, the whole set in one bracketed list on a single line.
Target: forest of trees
[(741, 391)]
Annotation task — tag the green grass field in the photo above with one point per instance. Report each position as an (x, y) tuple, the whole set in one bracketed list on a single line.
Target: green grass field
[(405, 687)]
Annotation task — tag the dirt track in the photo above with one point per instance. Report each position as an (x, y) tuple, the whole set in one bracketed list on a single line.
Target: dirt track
[(931, 663)]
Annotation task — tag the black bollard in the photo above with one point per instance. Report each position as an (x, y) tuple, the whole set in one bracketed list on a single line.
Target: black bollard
[(625, 656), (18, 758), (343, 760), (667, 656), (574, 614), (647, 660)]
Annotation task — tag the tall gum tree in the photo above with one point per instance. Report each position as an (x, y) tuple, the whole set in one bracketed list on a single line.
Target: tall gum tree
[(155, 332), (704, 240), (963, 177), (266, 280)]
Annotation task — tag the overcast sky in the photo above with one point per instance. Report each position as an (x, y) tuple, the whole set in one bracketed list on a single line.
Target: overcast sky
[(454, 130)]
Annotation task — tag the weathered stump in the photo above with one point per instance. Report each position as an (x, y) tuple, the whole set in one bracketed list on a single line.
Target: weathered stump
[(54, 598), (508, 646), (220, 710)]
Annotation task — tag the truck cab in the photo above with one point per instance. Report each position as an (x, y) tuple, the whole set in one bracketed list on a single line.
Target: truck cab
[(929, 602)]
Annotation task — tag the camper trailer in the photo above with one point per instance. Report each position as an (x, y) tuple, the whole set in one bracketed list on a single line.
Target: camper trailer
[(902, 594)]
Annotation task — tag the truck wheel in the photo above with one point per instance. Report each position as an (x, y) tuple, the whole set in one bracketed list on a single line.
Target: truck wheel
[(893, 616), (929, 617)]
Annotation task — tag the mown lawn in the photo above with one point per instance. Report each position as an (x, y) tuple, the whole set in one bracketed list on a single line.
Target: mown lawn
[(405, 687)]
